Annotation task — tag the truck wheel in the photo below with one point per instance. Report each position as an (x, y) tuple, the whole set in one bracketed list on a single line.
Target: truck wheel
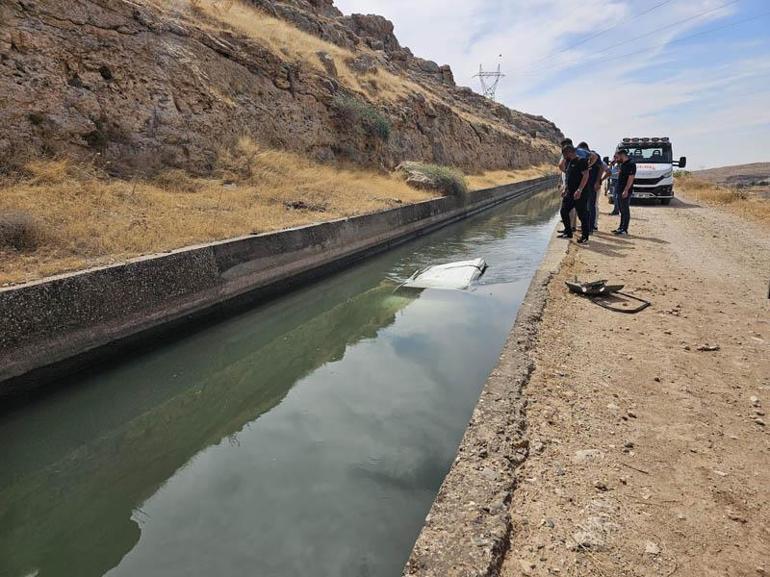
[(665, 201)]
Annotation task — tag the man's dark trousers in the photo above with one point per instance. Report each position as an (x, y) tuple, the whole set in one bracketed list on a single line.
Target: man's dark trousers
[(592, 208), (581, 207), (625, 211)]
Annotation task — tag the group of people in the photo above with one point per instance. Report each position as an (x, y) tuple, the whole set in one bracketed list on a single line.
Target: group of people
[(584, 172)]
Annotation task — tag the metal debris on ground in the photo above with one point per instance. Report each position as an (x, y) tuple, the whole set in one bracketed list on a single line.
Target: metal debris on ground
[(608, 296)]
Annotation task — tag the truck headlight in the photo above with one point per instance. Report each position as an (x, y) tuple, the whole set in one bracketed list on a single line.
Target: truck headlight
[(668, 174)]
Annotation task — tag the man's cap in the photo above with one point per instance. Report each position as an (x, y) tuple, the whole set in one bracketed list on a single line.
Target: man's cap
[(622, 151)]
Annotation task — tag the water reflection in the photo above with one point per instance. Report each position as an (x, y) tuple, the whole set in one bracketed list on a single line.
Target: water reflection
[(312, 432)]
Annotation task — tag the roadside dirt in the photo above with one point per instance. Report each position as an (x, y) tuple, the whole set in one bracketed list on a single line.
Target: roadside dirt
[(649, 455)]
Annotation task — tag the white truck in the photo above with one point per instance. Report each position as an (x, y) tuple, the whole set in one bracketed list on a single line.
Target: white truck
[(654, 168)]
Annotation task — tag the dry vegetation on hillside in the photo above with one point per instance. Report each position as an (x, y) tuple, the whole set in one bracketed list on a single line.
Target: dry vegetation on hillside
[(499, 177), (58, 216), (297, 45), (737, 200), (304, 48)]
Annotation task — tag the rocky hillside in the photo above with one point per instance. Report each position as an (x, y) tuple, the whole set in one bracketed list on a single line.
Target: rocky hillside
[(142, 85)]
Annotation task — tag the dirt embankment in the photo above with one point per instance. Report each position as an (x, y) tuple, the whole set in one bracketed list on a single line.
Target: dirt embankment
[(131, 127), (649, 443)]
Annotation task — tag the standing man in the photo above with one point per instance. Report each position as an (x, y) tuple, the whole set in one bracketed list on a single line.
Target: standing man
[(626, 177), (591, 157), (563, 169), (597, 170), (613, 184), (575, 195)]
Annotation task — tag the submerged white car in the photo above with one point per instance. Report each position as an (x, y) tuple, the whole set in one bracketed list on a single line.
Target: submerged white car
[(654, 168), (454, 275)]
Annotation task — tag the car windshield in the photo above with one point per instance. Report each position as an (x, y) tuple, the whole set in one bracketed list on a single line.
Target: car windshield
[(649, 152)]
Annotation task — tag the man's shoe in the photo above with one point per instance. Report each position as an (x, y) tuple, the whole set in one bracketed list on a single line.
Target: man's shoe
[(614, 213), (617, 231), (582, 240), (565, 235)]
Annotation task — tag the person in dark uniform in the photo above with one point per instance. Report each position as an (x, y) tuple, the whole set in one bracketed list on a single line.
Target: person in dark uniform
[(575, 194), (589, 155), (597, 170), (626, 176), (613, 183)]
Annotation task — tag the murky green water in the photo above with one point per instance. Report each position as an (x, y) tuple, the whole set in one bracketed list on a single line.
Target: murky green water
[(305, 437)]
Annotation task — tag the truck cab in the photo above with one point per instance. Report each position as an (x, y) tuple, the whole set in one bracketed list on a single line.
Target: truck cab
[(654, 168)]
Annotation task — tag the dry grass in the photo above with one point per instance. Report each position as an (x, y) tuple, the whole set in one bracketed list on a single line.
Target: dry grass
[(295, 45), (58, 216), (446, 179), (19, 232), (499, 177), (82, 218), (301, 48), (738, 201)]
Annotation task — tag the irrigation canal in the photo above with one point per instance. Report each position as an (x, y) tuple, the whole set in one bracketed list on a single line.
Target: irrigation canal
[(305, 437)]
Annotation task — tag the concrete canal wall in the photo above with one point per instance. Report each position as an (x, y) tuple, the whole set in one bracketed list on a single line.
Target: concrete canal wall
[(53, 327)]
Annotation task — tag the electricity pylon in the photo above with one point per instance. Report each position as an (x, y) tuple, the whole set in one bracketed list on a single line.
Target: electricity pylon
[(489, 80)]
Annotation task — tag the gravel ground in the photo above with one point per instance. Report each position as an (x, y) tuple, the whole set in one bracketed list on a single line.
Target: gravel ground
[(649, 442)]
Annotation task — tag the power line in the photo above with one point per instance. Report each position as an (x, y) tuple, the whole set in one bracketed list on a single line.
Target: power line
[(683, 38), (597, 34), (701, 15), (656, 31), (702, 33)]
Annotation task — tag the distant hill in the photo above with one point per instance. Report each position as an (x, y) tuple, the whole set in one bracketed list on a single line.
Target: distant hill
[(756, 174)]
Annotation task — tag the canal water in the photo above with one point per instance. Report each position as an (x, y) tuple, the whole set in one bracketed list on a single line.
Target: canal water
[(307, 436)]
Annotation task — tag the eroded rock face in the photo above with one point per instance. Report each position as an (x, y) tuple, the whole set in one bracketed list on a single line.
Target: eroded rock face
[(375, 31), (142, 89)]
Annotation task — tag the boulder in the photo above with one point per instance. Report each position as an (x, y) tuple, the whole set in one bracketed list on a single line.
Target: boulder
[(328, 63), (364, 64), (374, 27)]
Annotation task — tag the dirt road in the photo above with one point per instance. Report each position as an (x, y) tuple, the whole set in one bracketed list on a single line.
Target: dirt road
[(649, 444)]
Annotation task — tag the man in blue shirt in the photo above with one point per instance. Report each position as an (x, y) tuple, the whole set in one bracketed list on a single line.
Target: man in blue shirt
[(625, 188), (575, 195), (591, 157), (596, 174)]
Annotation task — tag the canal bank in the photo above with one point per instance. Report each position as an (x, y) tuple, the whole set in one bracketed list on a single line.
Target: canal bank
[(59, 325), (311, 431), (649, 445)]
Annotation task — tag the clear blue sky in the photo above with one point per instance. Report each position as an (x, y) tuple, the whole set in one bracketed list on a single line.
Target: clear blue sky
[(709, 93)]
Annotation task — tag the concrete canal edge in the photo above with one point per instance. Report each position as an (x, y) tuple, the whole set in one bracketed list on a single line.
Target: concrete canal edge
[(54, 327), (468, 529)]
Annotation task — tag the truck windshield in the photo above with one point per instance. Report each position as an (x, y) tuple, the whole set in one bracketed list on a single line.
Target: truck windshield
[(649, 153)]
